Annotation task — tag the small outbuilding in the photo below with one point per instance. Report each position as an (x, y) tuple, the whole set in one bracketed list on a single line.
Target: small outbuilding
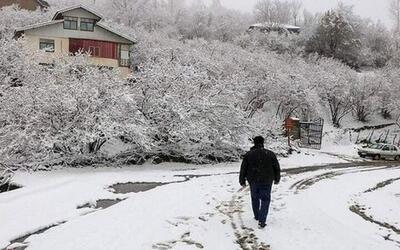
[(277, 27)]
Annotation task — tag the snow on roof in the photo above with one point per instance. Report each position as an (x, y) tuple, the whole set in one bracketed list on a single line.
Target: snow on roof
[(38, 25), (275, 25), (287, 26), (102, 25), (79, 6)]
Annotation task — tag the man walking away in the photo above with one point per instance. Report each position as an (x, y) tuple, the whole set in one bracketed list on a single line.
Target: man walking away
[(261, 168)]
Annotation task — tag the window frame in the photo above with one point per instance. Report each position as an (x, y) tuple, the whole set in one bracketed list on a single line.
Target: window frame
[(51, 42), (75, 19), (87, 21), (93, 49), (124, 62)]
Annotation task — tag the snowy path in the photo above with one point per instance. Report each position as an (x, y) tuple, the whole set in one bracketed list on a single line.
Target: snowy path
[(338, 207)]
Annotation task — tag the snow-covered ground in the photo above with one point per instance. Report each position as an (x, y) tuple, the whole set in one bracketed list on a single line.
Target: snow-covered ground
[(204, 207)]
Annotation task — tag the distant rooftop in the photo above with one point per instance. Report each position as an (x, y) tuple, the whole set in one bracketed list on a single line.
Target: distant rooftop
[(43, 3), (268, 27)]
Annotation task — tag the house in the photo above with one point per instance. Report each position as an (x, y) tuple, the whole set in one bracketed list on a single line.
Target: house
[(25, 4), (80, 29), (277, 27)]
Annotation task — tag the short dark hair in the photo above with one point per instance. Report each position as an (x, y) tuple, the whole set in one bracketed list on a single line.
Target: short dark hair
[(258, 140)]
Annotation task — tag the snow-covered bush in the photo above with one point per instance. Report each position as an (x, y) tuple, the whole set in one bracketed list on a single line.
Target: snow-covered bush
[(60, 109), (288, 43)]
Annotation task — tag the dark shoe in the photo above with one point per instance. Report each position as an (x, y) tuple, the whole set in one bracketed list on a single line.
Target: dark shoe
[(262, 225)]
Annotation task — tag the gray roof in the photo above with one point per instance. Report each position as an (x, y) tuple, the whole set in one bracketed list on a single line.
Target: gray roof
[(100, 24), (43, 3), (79, 6), (38, 25)]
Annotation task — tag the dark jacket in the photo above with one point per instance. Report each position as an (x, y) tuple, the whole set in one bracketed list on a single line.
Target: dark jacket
[(259, 166)]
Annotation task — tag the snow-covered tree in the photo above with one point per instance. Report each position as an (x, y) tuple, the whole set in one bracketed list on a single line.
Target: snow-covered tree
[(332, 80), (377, 45), (274, 11), (11, 18), (336, 37), (364, 95), (394, 11), (296, 6)]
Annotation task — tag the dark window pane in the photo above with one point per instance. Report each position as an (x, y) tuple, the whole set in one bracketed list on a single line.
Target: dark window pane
[(70, 23), (87, 24)]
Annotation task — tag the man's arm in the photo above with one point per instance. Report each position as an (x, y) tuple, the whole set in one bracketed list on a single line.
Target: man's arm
[(243, 171), (277, 168)]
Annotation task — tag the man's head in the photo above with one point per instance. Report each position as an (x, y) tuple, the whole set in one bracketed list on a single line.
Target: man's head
[(258, 140)]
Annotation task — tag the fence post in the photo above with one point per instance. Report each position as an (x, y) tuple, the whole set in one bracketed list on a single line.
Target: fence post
[(387, 135), (370, 137)]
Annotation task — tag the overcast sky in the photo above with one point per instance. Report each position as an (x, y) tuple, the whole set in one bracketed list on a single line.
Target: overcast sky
[(374, 9)]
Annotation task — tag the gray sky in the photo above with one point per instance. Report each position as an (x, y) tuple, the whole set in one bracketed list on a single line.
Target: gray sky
[(374, 9)]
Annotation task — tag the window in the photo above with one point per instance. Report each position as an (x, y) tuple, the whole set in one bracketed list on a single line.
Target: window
[(124, 56), (70, 23), (94, 51), (46, 45), (87, 24)]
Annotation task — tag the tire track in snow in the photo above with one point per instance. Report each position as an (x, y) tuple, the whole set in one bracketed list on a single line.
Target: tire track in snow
[(360, 210), (306, 183), (353, 168)]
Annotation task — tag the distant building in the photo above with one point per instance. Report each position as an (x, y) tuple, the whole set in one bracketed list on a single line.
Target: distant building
[(80, 29), (277, 27), (25, 4)]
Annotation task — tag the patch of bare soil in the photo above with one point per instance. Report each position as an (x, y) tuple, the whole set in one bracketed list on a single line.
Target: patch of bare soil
[(136, 187)]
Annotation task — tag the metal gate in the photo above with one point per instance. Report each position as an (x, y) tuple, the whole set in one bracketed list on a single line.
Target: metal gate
[(311, 134)]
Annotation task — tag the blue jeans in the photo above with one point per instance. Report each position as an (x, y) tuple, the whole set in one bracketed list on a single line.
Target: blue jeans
[(260, 200)]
